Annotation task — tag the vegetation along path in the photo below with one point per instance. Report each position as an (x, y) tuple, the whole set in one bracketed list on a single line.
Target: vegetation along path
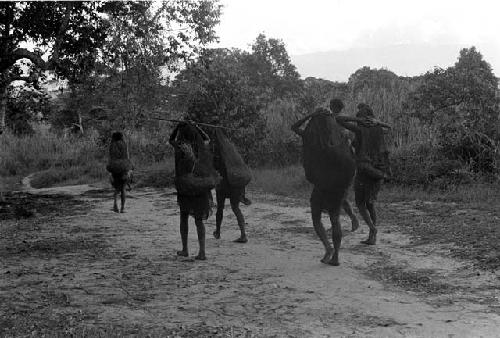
[(69, 265)]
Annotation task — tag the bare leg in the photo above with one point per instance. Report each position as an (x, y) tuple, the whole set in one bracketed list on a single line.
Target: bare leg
[(115, 198), (235, 206), (219, 215), (200, 229), (348, 210), (336, 238), (372, 237), (244, 199), (320, 231), (373, 214), (123, 198), (184, 230)]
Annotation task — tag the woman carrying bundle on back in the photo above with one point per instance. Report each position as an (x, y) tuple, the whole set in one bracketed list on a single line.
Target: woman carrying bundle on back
[(235, 177), (120, 167), (330, 167), (194, 178), (372, 160)]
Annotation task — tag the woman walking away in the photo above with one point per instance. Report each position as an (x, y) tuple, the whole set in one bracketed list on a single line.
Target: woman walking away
[(194, 178), (235, 176), (329, 166), (372, 159), (120, 167)]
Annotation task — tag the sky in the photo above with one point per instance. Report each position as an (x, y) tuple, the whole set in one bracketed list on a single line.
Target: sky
[(310, 26)]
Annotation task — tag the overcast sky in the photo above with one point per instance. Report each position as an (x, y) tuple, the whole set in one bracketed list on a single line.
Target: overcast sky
[(308, 26)]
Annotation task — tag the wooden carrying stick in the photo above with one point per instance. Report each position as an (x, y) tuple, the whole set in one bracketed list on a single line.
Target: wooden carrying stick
[(198, 123)]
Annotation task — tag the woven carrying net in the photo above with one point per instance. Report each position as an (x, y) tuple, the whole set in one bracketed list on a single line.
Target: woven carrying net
[(119, 162), (194, 171), (327, 158), (373, 157), (232, 165)]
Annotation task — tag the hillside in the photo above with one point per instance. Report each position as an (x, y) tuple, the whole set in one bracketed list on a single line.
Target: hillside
[(404, 60)]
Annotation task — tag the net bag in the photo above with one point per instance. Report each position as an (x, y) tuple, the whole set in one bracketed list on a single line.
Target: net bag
[(327, 159), (194, 174), (374, 161), (119, 162), (238, 173)]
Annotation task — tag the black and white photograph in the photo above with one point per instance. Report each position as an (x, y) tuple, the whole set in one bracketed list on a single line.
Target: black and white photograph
[(250, 168)]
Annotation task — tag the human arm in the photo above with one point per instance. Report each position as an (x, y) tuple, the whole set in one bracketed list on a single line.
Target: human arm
[(352, 123), (296, 126), (204, 136), (348, 122), (173, 142)]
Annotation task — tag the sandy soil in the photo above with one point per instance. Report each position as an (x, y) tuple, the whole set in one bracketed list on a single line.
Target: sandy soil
[(95, 271)]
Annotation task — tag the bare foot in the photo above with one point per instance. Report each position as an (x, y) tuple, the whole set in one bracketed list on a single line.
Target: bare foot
[(246, 201), (182, 253), (372, 238), (326, 257), (334, 261), (368, 242), (355, 225), (201, 257), (216, 234), (242, 239)]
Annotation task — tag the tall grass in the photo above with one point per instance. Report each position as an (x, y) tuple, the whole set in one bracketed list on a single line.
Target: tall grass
[(24, 155), (73, 160), (286, 181)]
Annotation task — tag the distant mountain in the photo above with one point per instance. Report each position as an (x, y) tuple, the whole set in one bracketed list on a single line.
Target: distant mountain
[(404, 60)]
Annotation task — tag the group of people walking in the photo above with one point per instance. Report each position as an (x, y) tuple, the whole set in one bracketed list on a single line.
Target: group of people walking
[(333, 159), (332, 162)]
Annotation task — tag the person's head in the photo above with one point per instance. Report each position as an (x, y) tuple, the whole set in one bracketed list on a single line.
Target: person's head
[(117, 136), (364, 110), (336, 106)]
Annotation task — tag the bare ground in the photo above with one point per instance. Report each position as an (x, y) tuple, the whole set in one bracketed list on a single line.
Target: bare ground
[(73, 267)]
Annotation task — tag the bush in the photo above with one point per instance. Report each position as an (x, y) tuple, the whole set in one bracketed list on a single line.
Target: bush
[(426, 165), (85, 174), (471, 147)]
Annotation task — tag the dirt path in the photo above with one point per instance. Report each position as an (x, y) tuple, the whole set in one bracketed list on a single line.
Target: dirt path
[(102, 273)]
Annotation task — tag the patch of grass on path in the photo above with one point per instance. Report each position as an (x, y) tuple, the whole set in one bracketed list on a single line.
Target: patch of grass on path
[(474, 230), (288, 181)]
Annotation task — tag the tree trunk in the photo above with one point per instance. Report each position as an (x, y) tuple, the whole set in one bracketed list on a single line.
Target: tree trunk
[(3, 107)]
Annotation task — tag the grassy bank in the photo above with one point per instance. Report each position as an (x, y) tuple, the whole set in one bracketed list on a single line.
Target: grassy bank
[(54, 160)]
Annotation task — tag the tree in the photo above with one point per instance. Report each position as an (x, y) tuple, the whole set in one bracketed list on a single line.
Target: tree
[(461, 102), (216, 89), (26, 105), (77, 37), (65, 30), (269, 68)]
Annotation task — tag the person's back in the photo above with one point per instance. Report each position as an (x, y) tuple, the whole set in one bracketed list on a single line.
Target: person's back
[(327, 151), (120, 167), (118, 150), (372, 163), (329, 166)]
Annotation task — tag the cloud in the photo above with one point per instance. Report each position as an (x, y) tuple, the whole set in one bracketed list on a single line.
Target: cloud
[(316, 25)]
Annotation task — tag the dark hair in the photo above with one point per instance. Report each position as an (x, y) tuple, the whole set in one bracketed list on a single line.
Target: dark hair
[(117, 136), (364, 110), (336, 105)]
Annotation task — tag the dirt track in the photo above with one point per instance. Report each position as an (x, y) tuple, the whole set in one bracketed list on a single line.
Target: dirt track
[(98, 272)]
